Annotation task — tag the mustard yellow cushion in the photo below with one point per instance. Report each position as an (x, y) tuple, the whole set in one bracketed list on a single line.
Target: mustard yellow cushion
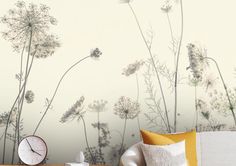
[(165, 139)]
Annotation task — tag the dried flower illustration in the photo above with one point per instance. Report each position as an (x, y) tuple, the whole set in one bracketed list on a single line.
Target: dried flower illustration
[(125, 108), (148, 45), (219, 102), (114, 154), (4, 117), (132, 68), (98, 106), (197, 60), (74, 111), (104, 136), (155, 115), (202, 105), (95, 53), (227, 92), (205, 112), (45, 47), (26, 20), (209, 81), (97, 158), (29, 96), (27, 27)]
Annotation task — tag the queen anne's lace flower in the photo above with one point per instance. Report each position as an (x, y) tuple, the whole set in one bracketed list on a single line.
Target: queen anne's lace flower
[(197, 60), (25, 21), (125, 108), (75, 110), (45, 47), (98, 106)]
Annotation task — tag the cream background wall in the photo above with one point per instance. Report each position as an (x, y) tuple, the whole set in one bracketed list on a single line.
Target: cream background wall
[(110, 26)]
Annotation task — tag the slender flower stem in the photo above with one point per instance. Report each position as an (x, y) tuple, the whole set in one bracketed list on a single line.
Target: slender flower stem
[(15, 143), (86, 139), (12, 108), (154, 65), (231, 107), (26, 78), (160, 114), (18, 106), (152, 97), (137, 83), (55, 92), (172, 37), (122, 141), (177, 66)]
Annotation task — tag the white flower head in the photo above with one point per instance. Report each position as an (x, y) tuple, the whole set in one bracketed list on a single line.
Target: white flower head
[(98, 106), (25, 21), (197, 61), (45, 47), (125, 108)]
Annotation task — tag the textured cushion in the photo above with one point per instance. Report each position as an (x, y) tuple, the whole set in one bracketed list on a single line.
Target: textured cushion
[(133, 156), (164, 139), (218, 148), (165, 155)]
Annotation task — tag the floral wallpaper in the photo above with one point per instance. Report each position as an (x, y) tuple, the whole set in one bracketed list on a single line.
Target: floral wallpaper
[(88, 75)]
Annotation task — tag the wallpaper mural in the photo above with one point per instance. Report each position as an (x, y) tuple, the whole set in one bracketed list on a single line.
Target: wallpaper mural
[(88, 75)]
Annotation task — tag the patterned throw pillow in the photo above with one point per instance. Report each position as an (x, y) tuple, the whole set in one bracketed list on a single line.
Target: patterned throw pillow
[(165, 155)]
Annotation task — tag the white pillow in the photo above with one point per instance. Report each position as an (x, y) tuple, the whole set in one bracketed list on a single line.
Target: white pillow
[(166, 155)]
